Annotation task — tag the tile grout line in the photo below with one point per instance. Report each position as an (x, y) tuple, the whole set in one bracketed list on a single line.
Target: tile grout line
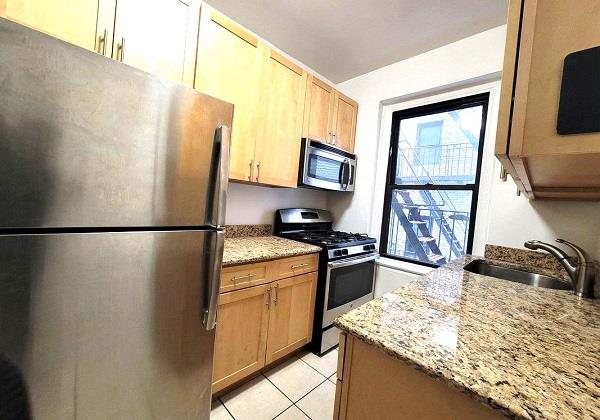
[(306, 363), (225, 407), (284, 394), (294, 403)]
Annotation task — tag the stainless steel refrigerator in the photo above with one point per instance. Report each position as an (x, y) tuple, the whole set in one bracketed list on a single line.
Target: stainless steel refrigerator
[(112, 201)]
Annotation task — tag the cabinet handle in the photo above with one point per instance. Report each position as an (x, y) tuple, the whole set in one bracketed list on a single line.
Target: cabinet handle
[(268, 302), (329, 139), (275, 294), (121, 48), (257, 171), (503, 174), (102, 40), (247, 276), (333, 138), (251, 170), (299, 265)]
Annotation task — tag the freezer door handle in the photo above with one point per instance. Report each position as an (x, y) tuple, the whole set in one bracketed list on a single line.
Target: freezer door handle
[(217, 243), (221, 178)]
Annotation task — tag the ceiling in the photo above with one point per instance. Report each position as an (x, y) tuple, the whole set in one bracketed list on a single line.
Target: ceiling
[(342, 39)]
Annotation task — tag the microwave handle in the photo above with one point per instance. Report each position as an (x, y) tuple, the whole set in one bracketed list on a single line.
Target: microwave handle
[(345, 174)]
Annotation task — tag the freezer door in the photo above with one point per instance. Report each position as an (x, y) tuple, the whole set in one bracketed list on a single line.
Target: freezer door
[(107, 326), (88, 141)]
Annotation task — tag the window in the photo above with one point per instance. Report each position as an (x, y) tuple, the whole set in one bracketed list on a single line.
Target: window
[(429, 140), (433, 180)]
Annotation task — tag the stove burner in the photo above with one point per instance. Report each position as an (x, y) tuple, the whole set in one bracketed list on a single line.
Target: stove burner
[(330, 237)]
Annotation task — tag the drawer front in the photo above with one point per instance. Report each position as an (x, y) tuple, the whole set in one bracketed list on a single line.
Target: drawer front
[(293, 266), (242, 276)]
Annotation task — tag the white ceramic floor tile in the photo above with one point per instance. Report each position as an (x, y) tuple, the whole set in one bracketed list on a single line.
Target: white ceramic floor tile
[(295, 378), (256, 400), (292, 413), (326, 364), (318, 404), (218, 412)]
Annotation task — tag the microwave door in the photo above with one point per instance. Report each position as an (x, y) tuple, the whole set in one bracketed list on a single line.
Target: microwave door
[(323, 170)]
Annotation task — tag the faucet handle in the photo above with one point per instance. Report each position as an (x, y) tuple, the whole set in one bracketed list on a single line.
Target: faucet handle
[(582, 256)]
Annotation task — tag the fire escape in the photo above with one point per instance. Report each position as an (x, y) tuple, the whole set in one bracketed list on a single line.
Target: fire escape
[(435, 231)]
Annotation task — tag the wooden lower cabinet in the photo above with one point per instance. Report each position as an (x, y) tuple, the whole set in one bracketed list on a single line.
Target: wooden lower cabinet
[(291, 315), (241, 337), (262, 323), (374, 385)]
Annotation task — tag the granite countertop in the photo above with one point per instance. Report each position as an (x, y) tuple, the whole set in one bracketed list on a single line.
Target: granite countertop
[(249, 249), (532, 353)]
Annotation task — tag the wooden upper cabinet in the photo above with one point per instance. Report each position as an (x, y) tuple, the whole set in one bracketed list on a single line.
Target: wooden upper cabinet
[(291, 317), (71, 21), (158, 36), (241, 336), (540, 36), (329, 116), (229, 66), (318, 112), (344, 122), (278, 144)]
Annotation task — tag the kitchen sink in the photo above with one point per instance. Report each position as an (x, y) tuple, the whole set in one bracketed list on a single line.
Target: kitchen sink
[(519, 276)]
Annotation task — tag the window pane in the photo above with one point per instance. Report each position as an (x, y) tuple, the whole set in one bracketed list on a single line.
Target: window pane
[(429, 225), (439, 148)]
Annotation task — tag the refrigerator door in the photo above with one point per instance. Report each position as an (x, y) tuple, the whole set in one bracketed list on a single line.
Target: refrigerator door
[(86, 141), (108, 326)]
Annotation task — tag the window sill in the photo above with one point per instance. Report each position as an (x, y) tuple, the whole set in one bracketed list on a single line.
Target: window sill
[(403, 266)]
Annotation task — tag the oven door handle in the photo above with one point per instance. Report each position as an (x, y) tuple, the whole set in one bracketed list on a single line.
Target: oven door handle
[(346, 263)]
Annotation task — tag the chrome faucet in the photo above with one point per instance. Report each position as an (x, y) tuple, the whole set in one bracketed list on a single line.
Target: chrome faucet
[(580, 269)]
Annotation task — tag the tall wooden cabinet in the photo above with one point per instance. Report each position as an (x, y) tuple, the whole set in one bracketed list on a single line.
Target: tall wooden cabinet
[(265, 313), (329, 116), (278, 146), (78, 22), (543, 163), (229, 66), (157, 36)]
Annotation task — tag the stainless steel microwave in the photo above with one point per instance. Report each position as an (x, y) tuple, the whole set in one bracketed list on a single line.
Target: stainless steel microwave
[(326, 167)]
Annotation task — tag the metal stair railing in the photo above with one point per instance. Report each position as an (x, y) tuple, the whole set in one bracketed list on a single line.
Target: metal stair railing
[(433, 206), (419, 243)]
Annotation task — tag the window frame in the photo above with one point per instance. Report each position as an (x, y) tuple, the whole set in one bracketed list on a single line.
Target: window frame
[(482, 99)]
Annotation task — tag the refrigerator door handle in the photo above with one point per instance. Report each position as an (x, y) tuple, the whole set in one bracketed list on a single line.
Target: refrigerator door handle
[(215, 261), (221, 180)]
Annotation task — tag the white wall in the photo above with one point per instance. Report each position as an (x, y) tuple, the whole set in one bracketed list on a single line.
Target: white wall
[(251, 204), (503, 218)]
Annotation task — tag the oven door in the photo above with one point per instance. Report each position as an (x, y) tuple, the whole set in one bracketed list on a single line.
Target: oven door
[(328, 169), (349, 284)]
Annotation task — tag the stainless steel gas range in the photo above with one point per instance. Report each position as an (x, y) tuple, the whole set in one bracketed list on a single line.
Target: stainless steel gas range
[(346, 268)]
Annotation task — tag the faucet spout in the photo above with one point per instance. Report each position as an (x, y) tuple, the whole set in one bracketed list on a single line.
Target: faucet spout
[(579, 270), (565, 259)]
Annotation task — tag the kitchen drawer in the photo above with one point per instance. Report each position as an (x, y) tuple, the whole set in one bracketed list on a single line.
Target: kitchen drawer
[(242, 276), (293, 266)]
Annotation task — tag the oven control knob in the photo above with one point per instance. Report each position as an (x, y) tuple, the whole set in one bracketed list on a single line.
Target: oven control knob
[(373, 247), (367, 248), (344, 252), (337, 253)]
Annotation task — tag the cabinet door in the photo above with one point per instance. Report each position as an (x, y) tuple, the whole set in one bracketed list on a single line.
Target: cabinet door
[(158, 36), (291, 317), (318, 110), (73, 21), (242, 322), (344, 122), (229, 67), (278, 144)]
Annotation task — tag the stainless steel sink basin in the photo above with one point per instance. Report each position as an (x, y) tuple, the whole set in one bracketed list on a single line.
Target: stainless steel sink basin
[(519, 276)]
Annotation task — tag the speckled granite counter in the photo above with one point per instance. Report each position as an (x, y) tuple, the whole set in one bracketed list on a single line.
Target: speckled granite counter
[(243, 250), (532, 353)]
